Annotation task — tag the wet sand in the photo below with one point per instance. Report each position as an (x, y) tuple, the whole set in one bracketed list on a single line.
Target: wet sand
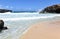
[(43, 30)]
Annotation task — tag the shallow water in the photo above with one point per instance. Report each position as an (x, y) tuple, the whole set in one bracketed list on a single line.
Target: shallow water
[(16, 28), (18, 23)]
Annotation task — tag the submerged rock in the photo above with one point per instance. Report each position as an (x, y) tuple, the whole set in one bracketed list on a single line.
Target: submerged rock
[(2, 25), (5, 10), (52, 9)]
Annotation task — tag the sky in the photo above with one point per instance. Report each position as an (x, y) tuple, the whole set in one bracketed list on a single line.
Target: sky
[(20, 5)]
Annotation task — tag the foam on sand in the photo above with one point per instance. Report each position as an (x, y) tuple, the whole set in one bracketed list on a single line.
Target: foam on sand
[(18, 23)]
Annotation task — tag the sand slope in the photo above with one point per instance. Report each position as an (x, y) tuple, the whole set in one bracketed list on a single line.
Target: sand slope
[(43, 30)]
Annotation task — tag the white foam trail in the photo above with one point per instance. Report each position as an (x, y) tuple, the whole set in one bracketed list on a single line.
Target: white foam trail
[(7, 12), (25, 18)]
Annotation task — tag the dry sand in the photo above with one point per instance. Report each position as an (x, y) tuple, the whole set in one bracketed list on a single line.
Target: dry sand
[(43, 30)]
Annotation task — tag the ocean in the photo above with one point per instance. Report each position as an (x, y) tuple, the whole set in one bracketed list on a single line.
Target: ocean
[(18, 23), (24, 11)]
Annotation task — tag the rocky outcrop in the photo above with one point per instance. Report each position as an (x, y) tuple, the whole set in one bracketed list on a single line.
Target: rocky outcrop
[(5, 10), (2, 25), (52, 9)]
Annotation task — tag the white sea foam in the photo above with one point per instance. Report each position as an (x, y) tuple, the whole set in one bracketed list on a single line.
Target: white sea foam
[(25, 18), (8, 12)]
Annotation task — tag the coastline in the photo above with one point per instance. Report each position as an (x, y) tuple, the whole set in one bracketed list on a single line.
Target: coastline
[(47, 29)]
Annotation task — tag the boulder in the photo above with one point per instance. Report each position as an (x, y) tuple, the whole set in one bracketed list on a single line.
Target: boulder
[(5, 10), (2, 25), (51, 9)]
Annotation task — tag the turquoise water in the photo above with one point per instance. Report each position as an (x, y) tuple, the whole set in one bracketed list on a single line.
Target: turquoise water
[(24, 11), (18, 23)]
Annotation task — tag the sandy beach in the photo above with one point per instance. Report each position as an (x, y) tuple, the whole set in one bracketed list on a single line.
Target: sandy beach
[(43, 30)]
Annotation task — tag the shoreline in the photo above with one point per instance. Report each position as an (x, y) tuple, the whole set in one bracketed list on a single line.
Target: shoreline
[(47, 29)]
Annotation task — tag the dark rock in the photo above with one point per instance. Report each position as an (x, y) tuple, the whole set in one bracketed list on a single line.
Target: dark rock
[(52, 9), (5, 10), (2, 25), (4, 28)]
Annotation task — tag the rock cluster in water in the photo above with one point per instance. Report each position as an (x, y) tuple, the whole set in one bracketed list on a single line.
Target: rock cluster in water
[(52, 9), (2, 25), (5, 10)]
